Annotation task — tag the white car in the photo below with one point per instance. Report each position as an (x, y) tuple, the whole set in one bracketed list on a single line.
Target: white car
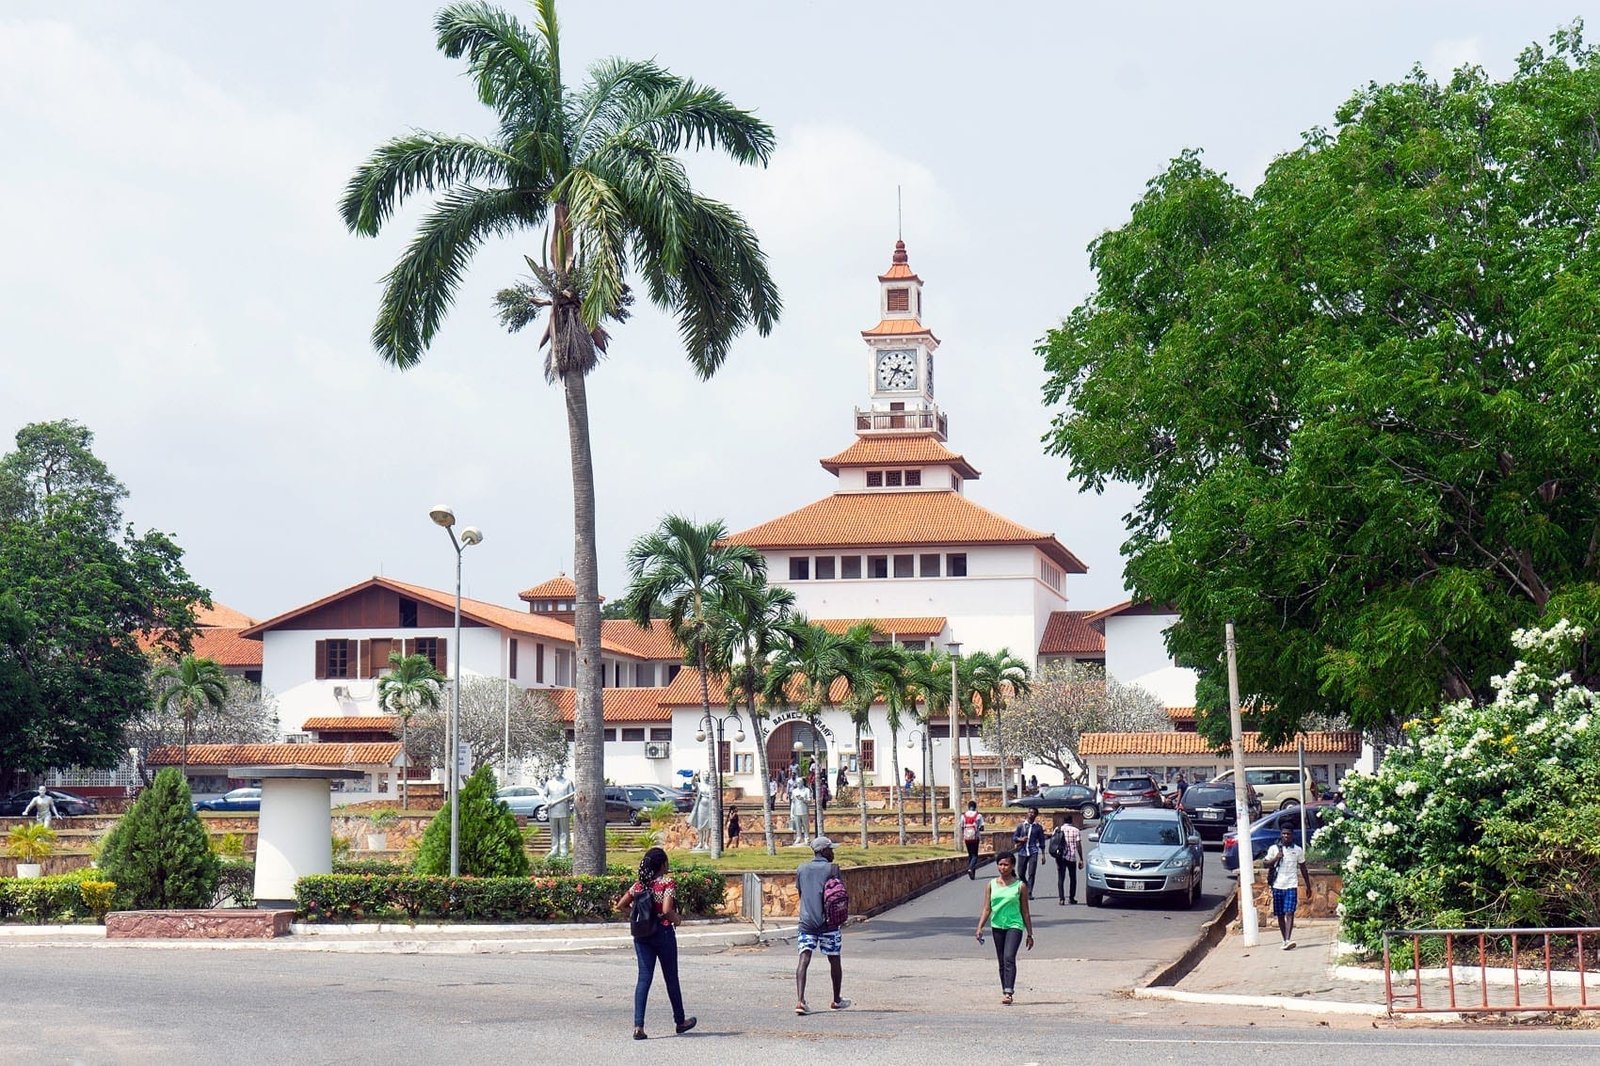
[(526, 800)]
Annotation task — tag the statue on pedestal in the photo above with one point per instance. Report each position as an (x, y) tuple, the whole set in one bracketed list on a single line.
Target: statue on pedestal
[(703, 819), (800, 812), (558, 806)]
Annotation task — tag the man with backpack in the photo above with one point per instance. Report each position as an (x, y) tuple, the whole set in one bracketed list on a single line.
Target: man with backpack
[(824, 906), (1066, 848)]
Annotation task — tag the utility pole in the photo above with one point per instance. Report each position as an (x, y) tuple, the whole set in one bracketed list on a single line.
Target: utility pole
[(1241, 803)]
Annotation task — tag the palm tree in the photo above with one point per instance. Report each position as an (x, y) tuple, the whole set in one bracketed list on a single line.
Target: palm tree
[(897, 690), (191, 684), (928, 681), (993, 675), (684, 571), (412, 684), (812, 660), (866, 663), (596, 173), (744, 640)]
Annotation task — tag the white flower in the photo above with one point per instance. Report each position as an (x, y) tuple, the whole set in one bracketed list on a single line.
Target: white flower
[(1372, 895), (1405, 788)]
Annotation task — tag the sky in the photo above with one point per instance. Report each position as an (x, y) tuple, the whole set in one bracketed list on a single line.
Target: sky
[(174, 273)]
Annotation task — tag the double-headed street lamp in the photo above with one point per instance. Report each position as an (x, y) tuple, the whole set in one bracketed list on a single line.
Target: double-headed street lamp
[(470, 535), (927, 743), (713, 723)]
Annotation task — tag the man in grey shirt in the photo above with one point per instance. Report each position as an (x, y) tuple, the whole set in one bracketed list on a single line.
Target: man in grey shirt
[(814, 933)]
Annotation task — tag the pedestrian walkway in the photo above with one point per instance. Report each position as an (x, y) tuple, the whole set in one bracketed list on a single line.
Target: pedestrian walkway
[(1305, 978)]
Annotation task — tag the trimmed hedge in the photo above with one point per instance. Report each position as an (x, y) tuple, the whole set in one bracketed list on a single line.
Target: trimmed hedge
[(61, 898), (366, 897)]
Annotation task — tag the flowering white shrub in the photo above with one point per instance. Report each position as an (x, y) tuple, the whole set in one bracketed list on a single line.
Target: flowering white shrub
[(1486, 815)]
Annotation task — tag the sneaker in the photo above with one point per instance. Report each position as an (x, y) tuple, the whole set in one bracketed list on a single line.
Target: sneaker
[(802, 1009), (687, 1024), (1288, 945), (839, 1004)]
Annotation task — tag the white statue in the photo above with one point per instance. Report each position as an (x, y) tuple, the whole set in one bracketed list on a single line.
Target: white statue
[(800, 812), (42, 807), (558, 806), (704, 817)]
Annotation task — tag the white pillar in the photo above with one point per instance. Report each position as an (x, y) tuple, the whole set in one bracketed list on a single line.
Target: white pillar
[(295, 835)]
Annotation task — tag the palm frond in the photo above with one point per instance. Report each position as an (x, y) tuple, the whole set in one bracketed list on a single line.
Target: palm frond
[(683, 114), (514, 70), (421, 161), (602, 107)]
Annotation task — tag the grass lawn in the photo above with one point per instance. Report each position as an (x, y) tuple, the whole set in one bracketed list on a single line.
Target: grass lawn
[(757, 859)]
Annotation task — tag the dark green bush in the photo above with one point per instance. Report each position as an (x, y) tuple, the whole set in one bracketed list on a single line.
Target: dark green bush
[(236, 880), (40, 900), (158, 853), (490, 843)]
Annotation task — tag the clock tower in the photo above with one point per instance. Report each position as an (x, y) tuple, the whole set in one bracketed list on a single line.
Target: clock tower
[(900, 359)]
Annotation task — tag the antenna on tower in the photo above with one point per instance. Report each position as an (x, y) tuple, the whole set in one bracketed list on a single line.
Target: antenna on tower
[(899, 216)]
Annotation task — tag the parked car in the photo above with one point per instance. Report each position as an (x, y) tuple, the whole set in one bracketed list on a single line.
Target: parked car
[(1212, 807), (1078, 798), (1264, 831), (1130, 790), (67, 803), (1142, 852), (630, 805), (240, 799), (1279, 786), (682, 799), (527, 800)]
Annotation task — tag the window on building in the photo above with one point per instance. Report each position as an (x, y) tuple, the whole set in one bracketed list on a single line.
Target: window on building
[(799, 568), (571, 736), (899, 299), (1050, 574), (408, 613), (431, 649), (672, 671), (511, 659), (914, 645), (878, 566), (850, 567), (538, 662), (894, 478), (936, 731), (611, 734), (825, 568), (744, 762), (905, 566), (869, 755), (660, 732), (956, 564), (913, 478), (633, 734), (874, 479), (644, 676), (333, 658), (930, 565), (955, 482)]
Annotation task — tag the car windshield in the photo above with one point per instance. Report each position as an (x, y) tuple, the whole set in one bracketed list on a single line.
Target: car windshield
[(1208, 794), (1131, 784), (1141, 831)]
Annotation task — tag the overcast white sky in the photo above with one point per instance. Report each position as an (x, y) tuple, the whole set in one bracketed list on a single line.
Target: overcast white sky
[(174, 274)]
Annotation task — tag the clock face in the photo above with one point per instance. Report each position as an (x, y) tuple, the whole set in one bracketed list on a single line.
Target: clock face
[(897, 370)]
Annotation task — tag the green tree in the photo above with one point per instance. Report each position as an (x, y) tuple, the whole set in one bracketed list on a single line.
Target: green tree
[(538, 736), (191, 685), (248, 715), (158, 853), (809, 663), (412, 684), (596, 171), (76, 594), (875, 672), (995, 677), (1065, 700), (698, 581), (490, 844), (1359, 401)]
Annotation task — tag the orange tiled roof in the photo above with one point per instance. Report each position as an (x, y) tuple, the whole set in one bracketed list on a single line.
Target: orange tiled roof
[(899, 265), (899, 327), (1069, 633), (889, 627), (684, 691), (899, 519), (374, 723), (1181, 714), (1097, 618), (1104, 744), (560, 587), (617, 704), (226, 647), (222, 616), (338, 754), (653, 643), (489, 614), (882, 451)]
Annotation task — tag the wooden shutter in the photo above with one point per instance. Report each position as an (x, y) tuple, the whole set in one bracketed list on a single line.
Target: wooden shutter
[(725, 756), (322, 660), (538, 662), (364, 659), (381, 647), (511, 668), (443, 665), (868, 755)]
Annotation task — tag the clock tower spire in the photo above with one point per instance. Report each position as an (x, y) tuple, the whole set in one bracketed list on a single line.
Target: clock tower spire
[(900, 358)]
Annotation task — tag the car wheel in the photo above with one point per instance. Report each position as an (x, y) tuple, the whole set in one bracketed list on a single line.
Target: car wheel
[(541, 814), (1092, 898), (1288, 803), (1089, 810), (633, 818)]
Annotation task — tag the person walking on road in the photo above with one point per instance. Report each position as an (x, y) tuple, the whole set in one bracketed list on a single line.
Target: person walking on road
[(814, 934), (1005, 908), (1028, 840), (661, 945), (1066, 848), (971, 836), (1285, 859)]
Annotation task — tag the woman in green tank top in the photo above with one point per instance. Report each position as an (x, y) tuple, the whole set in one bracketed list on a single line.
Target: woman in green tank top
[(1005, 909)]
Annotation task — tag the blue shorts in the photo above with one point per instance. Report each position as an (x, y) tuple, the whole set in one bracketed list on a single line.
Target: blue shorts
[(1284, 900), (830, 943)]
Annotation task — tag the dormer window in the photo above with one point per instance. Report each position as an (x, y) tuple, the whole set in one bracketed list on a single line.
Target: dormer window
[(892, 478), (874, 479), (899, 299)]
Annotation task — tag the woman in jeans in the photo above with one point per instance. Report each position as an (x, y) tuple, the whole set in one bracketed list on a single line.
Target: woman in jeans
[(662, 946), (1005, 908)]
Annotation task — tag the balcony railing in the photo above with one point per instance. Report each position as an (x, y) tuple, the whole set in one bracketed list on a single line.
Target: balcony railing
[(875, 421)]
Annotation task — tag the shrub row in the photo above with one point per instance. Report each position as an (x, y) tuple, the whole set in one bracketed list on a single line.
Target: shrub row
[(364, 897), (70, 897)]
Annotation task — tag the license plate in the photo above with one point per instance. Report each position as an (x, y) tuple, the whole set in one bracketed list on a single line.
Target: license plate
[(1144, 886), (1211, 814)]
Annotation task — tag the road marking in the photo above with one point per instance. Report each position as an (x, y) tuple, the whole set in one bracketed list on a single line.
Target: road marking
[(1350, 1043)]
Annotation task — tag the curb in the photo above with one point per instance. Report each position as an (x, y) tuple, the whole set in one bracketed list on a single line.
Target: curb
[(1210, 936), (1290, 1003), (408, 946)]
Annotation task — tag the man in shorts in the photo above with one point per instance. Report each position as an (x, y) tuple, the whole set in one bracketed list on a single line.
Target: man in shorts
[(814, 932), (1284, 860)]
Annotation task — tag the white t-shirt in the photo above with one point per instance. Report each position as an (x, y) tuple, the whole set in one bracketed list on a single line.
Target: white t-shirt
[(1288, 865)]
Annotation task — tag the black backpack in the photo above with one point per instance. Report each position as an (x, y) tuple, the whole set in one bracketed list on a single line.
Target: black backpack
[(642, 920)]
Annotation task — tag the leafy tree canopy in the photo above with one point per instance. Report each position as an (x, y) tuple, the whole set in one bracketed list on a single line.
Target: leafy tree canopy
[(489, 841), (158, 853), (538, 735), (1063, 701), (75, 593), (1360, 400)]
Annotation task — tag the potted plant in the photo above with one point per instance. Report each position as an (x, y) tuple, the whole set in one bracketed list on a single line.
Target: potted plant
[(30, 845), (380, 821)]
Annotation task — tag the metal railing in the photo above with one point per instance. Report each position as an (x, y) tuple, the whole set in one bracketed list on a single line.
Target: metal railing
[(871, 420), (751, 904), (1546, 960)]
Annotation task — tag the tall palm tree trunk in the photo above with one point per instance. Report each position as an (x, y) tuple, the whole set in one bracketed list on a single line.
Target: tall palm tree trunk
[(861, 789), (588, 757), (1005, 771), (972, 765), (766, 771), (405, 771), (186, 744), (713, 755), (895, 783)]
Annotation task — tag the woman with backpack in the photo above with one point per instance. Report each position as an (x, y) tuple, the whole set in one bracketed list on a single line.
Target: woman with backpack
[(652, 906), (971, 835)]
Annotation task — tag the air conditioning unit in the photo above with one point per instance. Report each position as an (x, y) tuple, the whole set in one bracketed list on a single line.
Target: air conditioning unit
[(658, 749), (341, 692)]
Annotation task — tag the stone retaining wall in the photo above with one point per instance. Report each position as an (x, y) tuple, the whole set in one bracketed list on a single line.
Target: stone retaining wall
[(233, 924), (1321, 902), (872, 888)]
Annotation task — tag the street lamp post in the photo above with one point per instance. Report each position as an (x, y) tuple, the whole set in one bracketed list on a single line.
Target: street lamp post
[(919, 739), (470, 535), (955, 732), (714, 723)]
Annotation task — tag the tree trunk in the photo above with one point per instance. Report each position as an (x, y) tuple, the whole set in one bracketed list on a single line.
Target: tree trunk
[(767, 812), (405, 771), (588, 720), (896, 785), (972, 765), (1005, 771), (861, 787), (186, 747), (713, 755)]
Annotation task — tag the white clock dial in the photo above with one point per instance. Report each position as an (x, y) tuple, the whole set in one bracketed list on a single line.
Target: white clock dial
[(897, 370)]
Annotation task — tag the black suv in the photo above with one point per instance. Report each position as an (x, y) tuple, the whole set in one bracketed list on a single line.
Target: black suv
[(1212, 809), (631, 805)]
